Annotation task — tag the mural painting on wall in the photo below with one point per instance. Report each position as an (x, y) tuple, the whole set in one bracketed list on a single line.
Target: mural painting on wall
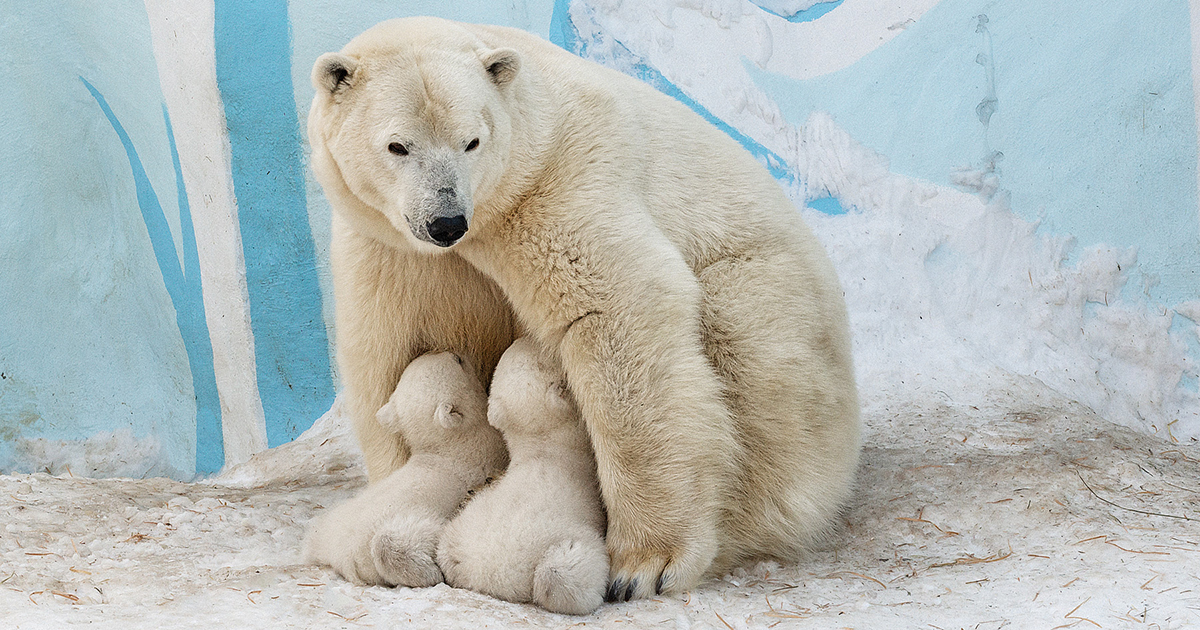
[(182, 284), (157, 415), (1018, 177)]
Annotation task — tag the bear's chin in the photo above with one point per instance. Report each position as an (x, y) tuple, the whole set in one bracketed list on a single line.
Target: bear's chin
[(427, 245)]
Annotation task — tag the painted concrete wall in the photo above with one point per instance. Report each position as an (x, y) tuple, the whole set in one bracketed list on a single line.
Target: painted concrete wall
[(97, 284), (165, 305)]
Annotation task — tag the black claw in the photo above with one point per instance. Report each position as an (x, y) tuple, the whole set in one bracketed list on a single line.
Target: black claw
[(659, 584), (631, 589), (615, 587)]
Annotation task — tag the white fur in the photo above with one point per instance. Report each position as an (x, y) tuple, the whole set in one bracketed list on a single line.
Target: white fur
[(388, 534), (699, 323), (536, 535)]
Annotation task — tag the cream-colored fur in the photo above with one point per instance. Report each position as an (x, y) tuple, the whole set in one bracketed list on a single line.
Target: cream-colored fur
[(536, 535), (699, 323), (388, 534)]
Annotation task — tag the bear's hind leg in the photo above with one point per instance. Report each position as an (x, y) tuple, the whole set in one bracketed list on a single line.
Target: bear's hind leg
[(775, 330)]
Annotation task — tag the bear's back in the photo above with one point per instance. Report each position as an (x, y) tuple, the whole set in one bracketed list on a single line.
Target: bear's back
[(707, 193)]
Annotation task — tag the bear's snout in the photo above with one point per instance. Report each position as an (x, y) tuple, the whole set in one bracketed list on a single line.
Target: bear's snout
[(445, 231)]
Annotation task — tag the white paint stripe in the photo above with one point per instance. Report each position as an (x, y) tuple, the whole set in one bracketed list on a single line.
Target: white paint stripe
[(182, 31), (841, 37)]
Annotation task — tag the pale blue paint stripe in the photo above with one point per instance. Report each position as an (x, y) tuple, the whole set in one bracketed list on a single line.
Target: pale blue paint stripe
[(183, 286), (210, 441), (827, 205), (253, 62), (807, 15)]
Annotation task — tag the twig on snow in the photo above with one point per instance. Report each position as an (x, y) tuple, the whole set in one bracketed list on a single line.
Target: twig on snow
[(1127, 509)]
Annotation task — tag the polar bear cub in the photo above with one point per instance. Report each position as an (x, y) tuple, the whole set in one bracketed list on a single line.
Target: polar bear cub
[(536, 535), (439, 406)]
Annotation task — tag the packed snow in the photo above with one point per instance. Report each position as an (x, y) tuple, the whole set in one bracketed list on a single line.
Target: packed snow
[(997, 505)]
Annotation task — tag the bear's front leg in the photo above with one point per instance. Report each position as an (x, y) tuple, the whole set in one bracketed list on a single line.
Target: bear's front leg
[(387, 315), (662, 437)]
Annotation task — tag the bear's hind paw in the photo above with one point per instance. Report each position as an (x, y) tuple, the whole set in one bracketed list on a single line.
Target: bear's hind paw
[(404, 551), (571, 577)]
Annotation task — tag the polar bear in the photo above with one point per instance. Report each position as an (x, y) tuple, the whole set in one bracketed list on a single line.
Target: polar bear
[(487, 184), (440, 407), (537, 534)]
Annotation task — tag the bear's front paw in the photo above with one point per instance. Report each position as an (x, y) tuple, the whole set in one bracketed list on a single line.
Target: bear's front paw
[(645, 570), (404, 550)]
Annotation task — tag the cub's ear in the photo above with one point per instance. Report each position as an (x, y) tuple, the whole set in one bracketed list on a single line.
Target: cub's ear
[(388, 418), (448, 416), (333, 73), (501, 64), (497, 414)]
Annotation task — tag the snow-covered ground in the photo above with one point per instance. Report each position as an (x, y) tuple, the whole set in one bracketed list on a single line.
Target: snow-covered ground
[(1008, 507)]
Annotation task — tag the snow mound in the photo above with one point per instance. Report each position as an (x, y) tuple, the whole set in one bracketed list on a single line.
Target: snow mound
[(116, 453), (327, 449)]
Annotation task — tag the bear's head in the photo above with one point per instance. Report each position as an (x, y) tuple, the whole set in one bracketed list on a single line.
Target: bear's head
[(413, 119), (529, 392), (437, 393)]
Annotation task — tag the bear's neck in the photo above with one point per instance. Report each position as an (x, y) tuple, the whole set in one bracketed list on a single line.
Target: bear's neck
[(567, 444)]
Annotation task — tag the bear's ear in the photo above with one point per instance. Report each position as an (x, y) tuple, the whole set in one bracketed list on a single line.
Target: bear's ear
[(448, 416), (388, 418), (501, 64), (497, 414), (333, 73)]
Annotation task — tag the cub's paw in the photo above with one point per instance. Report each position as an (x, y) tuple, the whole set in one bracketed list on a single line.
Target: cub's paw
[(571, 577), (341, 539), (642, 571), (404, 550)]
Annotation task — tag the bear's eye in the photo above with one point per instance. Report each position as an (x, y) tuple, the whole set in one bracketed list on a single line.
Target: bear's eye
[(397, 148), (472, 145)]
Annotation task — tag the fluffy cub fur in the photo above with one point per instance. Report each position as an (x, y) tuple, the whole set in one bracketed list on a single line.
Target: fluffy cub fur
[(536, 535), (388, 534)]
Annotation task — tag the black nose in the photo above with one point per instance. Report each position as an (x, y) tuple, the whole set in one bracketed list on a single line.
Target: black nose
[(445, 231)]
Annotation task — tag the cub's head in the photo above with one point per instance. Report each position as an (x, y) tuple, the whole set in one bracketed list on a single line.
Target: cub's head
[(529, 392), (438, 394), (413, 118)]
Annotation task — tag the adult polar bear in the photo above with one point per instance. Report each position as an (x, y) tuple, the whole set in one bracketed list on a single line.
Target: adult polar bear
[(485, 182)]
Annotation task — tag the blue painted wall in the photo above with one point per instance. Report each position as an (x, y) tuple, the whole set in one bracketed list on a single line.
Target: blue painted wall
[(90, 338), (183, 286), (1093, 117)]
